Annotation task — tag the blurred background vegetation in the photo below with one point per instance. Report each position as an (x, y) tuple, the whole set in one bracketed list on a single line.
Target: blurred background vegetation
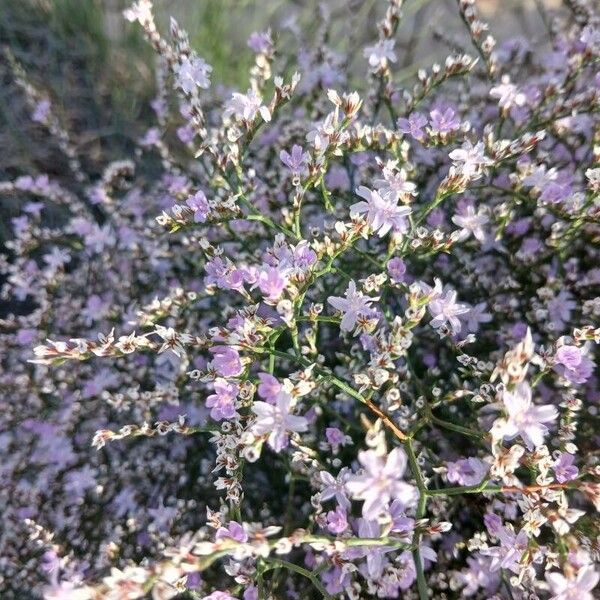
[(98, 71)]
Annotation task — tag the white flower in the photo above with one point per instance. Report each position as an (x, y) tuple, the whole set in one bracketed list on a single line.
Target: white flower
[(380, 54), (191, 73), (470, 160), (245, 107), (540, 176), (593, 176), (354, 305), (277, 421), (382, 212), (66, 590), (590, 36), (445, 309), (524, 418), (578, 588), (471, 222), (395, 182), (140, 11), (322, 132), (508, 95)]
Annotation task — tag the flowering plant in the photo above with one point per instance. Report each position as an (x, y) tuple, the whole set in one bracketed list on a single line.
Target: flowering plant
[(360, 327)]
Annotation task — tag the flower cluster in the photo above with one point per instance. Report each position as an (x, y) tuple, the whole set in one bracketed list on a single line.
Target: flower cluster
[(343, 343)]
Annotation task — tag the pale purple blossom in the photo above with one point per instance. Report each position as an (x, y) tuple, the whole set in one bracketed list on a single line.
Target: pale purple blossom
[(337, 521), (396, 269), (375, 555), (508, 94), (557, 191), (568, 356), (470, 160), (276, 421), (295, 160), (508, 555), (525, 418), (380, 481), (573, 364), (444, 122), (379, 54), (335, 438), (223, 402), (590, 36), (199, 205), (579, 587), (335, 487), (445, 310), (413, 125), (246, 107), (401, 524), (233, 531), (475, 316), (192, 73), (466, 471), (226, 361), (260, 42), (269, 387), (471, 222), (564, 469), (271, 282), (382, 212), (395, 183), (478, 575), (353, 306)]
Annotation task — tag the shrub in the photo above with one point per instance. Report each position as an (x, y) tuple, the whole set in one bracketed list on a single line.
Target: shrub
[(359, 327)]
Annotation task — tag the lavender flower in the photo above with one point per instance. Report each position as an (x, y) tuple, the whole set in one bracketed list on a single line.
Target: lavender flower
[(470, 160), (466, 471), (382, 212), (413, 125), (379, 54), (296, 160), (510, 552), (336, 520), (226, 361), (396, 268), (233, 531), (192, 73), (222, 402), (380, 481), (335, 487), (564, 469), (443, 123), (246, 107), (445, 309), (579, 587), (508, 94), (276, 421), (272, 283), (268, 388), (471, 223), (524, 418), (573, 364), (199, 205), (353, 306)]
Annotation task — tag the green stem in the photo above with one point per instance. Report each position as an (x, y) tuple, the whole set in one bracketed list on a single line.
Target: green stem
[(277, 562), (421, 509)]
